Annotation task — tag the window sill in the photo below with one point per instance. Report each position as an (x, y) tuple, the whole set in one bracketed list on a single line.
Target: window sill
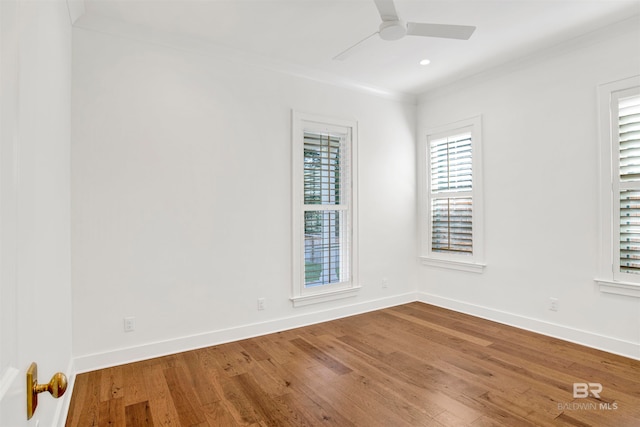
[(619, 288), (301, 301), (473, 267)]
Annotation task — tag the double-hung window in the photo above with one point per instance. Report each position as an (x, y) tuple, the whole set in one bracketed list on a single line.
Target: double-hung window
[(324, 209), (452, 197), (620, 187)]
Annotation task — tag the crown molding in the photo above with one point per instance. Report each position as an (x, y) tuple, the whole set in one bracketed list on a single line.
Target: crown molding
[(499, 68), (201, 47)]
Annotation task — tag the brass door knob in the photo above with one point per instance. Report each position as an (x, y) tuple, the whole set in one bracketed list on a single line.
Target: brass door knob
[(57, 386)]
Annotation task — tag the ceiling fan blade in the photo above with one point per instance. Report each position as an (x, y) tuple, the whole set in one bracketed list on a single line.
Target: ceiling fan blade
[(353, 49), (460, 32), (387, 10)]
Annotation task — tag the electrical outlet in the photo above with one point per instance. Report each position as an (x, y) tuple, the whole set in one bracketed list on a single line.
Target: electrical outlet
[(385, 282), (129, 324), (261, 304), (553, 304)]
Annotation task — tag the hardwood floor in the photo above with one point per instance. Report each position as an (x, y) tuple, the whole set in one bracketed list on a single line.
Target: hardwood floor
[(411, 365)]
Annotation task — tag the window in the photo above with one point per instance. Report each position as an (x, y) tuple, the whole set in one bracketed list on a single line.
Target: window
[(628, 182), (620, 187), (324, 205), (452, 197)]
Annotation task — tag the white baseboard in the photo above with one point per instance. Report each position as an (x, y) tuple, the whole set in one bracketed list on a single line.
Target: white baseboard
[(121, 356), (577, 336)]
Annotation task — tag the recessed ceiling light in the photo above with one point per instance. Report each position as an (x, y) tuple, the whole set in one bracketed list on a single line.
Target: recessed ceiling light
[(425, 62)]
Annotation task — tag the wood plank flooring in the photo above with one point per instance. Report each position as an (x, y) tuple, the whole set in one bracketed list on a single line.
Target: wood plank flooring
[(410, 365)]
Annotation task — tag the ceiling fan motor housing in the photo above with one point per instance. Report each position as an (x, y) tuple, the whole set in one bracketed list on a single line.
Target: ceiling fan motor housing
[(392, 30)]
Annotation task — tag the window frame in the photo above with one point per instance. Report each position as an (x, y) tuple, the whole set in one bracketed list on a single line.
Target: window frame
[(610, 279), (464, 262), (303, 295)]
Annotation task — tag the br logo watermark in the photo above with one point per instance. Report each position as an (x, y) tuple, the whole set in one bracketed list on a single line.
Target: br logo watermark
[(583, 391)]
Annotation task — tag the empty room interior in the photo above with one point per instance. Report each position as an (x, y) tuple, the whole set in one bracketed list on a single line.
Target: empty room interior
[(299, 213)]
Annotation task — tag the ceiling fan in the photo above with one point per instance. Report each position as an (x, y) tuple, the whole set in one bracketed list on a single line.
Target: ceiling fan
[(393, 28)]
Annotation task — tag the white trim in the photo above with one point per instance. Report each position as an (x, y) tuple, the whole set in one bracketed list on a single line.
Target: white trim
[(473, 267), (473, 262), (500, 67), (565, 333), (300, 295), (197, 46), (91, 362), (605, 193), (619, 288), (619, 186), (611, 280), (302, 300)]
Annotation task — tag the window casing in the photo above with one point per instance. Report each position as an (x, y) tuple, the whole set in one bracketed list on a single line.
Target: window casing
[(451, 192), (324, 209), (619, 110)]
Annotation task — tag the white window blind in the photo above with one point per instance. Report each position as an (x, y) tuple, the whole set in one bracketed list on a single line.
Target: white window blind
[(619, 185), (628, 129), (326, 208), (451, 194)]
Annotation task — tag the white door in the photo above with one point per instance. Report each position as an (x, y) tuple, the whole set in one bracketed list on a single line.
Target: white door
[(9, 371), (35, 300)]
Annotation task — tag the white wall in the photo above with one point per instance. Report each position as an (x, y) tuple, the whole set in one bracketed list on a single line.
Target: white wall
[(540, 142), (181, 204), (181, 196)]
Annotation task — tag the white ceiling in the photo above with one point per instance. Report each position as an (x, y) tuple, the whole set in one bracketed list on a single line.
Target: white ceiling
[(304, 35)]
